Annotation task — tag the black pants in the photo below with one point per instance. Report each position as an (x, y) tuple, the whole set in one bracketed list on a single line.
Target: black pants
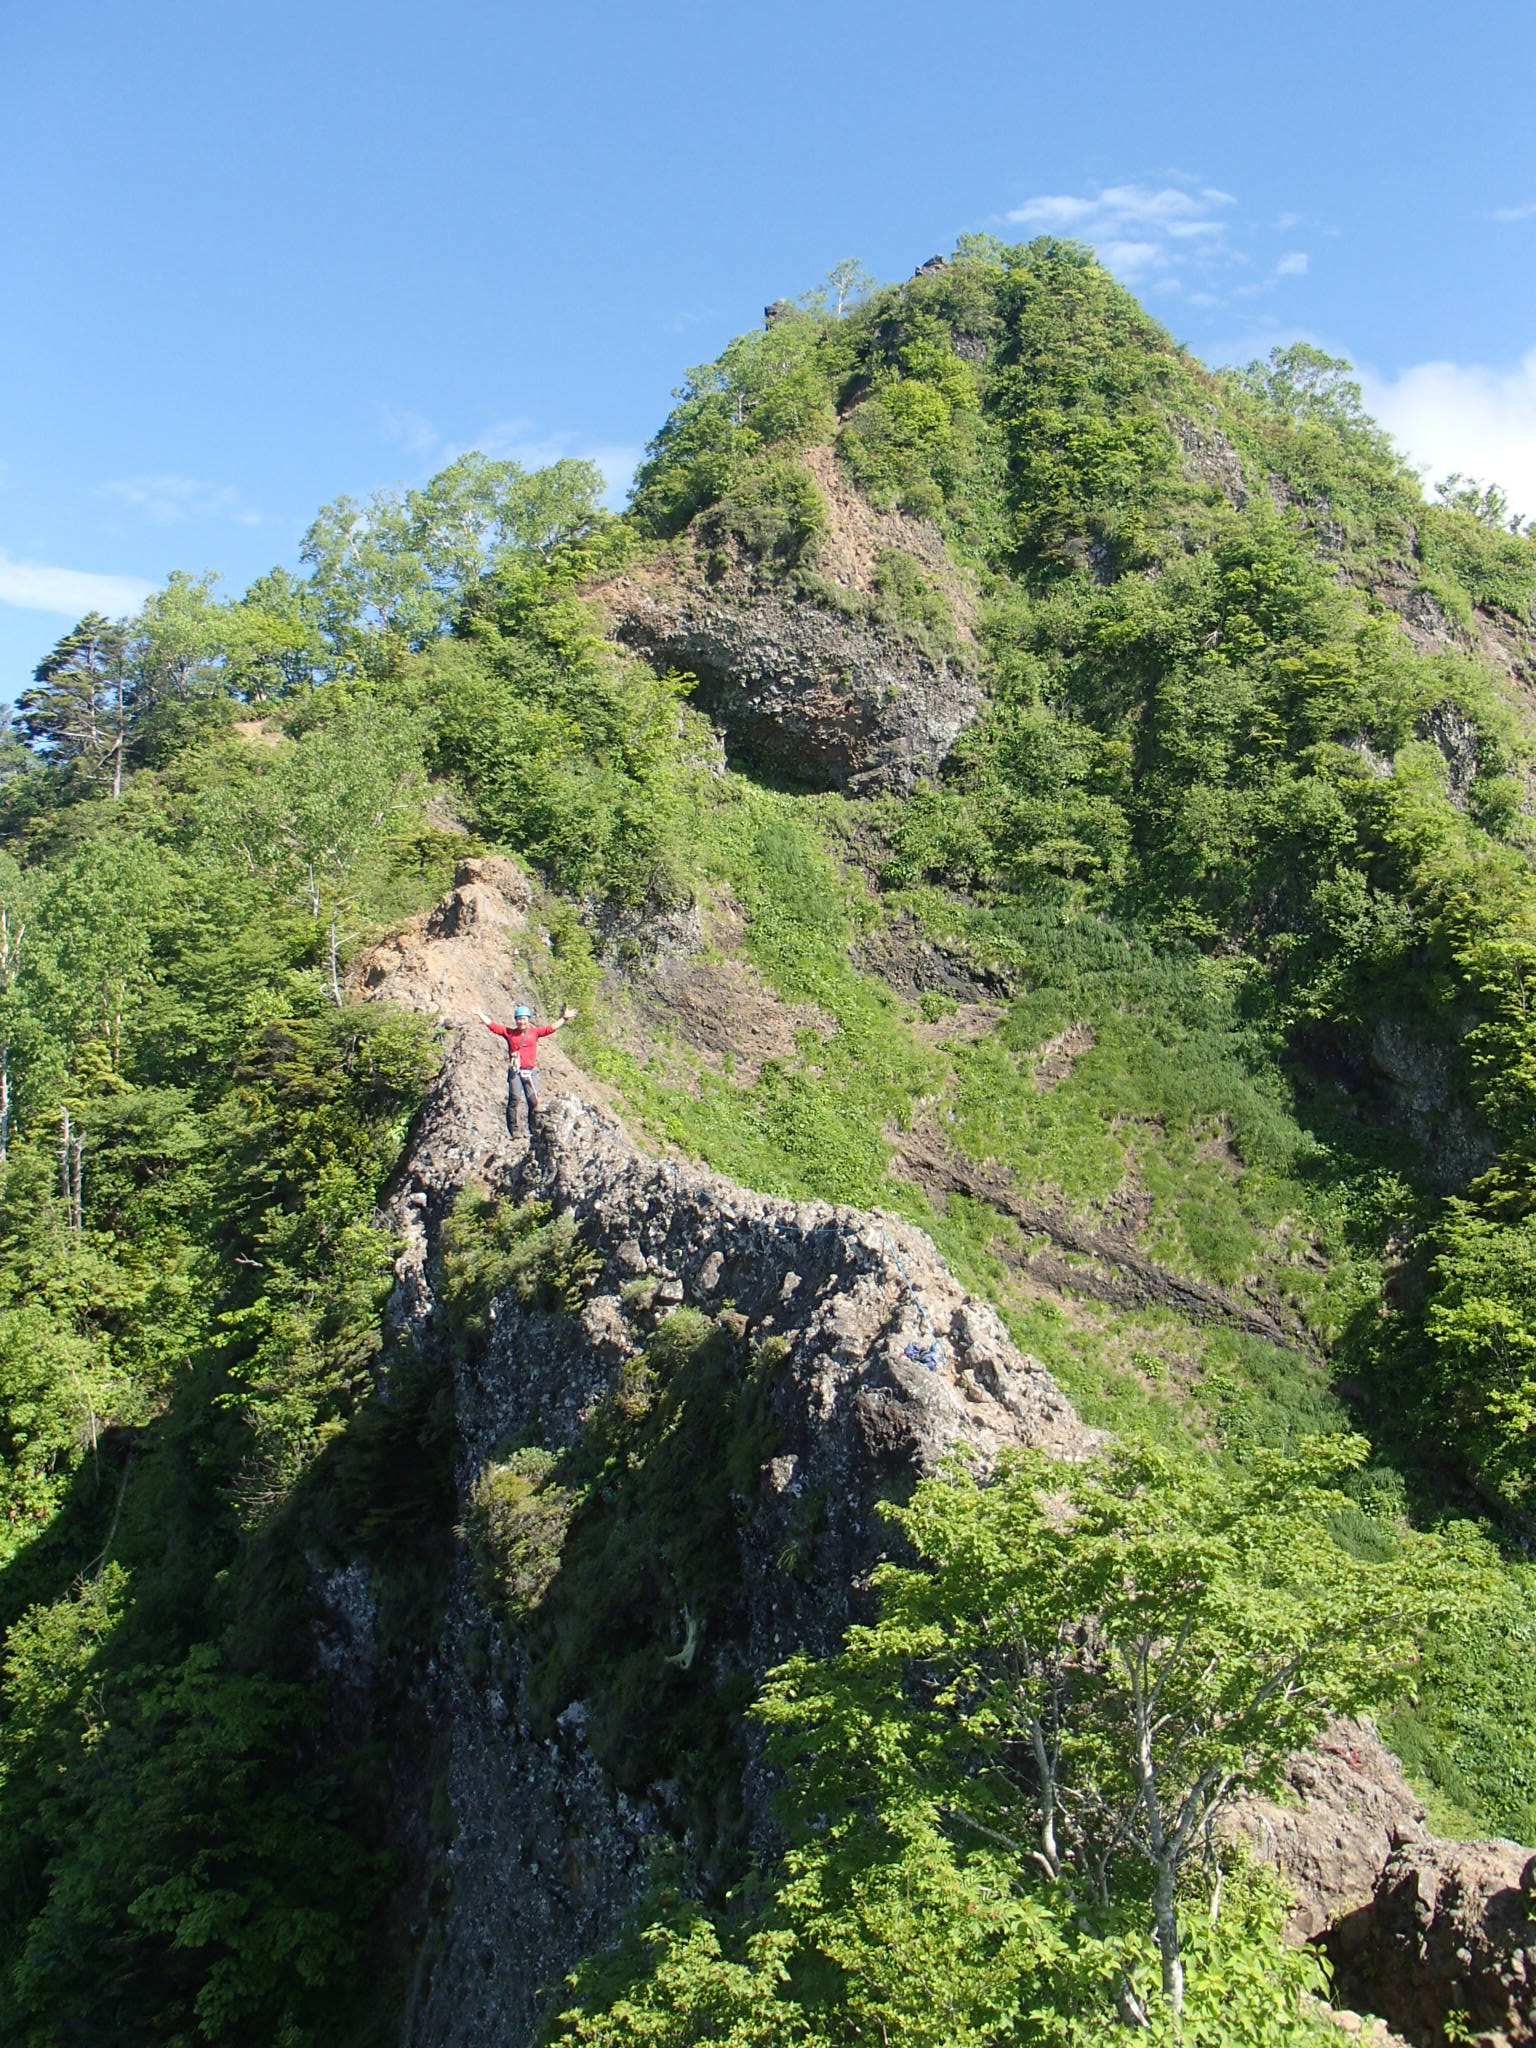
[(522, 1087)]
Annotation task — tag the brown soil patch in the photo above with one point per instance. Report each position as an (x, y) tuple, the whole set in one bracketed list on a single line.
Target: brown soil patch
[(857, 535), (968, 1021), (1059, 1055), (715, 1001), (257, 733)]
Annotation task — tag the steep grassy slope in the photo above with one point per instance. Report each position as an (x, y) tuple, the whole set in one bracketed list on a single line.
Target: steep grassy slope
[(1185, 1001)]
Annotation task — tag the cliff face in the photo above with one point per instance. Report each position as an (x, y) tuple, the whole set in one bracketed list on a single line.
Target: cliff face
[(835, 1360), (815, 676), (846, 1360), (801, 691)]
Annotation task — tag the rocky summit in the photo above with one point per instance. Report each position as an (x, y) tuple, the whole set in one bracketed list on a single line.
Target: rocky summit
[(768, 1264)]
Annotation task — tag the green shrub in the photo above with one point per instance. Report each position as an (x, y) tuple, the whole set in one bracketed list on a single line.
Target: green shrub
[(775, 513), (487, 1246), (518, 1518)]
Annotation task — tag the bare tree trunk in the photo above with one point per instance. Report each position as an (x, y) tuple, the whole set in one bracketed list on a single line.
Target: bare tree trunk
[(5, 1101), (335, 976), (1166, 1920), (1165, 1917), (117, 749), (64, 1158), (76, 1211)]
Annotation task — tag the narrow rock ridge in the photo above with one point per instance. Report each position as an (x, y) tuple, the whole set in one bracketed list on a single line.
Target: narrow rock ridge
[(887, 1367)]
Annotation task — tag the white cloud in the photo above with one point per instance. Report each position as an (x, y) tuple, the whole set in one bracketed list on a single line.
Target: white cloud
[(1147, 234), (1469, 417), (70, 592), (168, 499), (515, 440), (409, 430), (1514, 212), (1284, 221), (1134, 259), (1293, 265), (1049, 209)]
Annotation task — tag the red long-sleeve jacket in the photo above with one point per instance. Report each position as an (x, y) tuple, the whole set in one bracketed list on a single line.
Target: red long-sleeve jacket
[(522, 1041)]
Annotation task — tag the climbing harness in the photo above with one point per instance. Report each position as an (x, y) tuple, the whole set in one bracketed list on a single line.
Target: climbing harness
[(930, 1352)]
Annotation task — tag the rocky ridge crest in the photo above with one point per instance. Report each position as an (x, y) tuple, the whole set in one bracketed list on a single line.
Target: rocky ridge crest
[(886, 1367)]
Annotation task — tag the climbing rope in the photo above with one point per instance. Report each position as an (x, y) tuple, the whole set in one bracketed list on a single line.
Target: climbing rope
[(929, 1353)]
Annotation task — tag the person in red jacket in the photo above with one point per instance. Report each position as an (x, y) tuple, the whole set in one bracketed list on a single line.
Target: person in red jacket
[(522, 1036)]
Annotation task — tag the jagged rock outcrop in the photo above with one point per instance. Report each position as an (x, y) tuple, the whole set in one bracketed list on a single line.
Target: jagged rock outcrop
[(881, 1365), (1344, 1807), (822, 696), (1210, 458), (1445, 1948), (1418, 1929)]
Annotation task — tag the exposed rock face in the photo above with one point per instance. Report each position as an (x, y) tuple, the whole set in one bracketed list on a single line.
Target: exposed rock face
[(817, 695), (1448, 1936), (1210, 458), (1447, 727), (883, 1366), (804, 692), (1345, 1806), (1430, 1102), (547, 1853), (1417, 1928)]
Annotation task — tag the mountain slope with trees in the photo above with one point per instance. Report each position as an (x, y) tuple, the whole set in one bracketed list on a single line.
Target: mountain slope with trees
[(1184, 999)]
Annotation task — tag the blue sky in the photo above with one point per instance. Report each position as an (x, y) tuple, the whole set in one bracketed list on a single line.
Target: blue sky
[(253, 257)]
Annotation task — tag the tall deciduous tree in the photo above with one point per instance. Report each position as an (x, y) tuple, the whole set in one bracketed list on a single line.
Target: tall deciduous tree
[(1002, 1784), (389, 576)]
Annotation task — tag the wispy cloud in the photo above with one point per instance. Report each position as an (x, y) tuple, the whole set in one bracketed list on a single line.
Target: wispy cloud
[(1176, 237), (35, 587), (1471, 417), (514, 440), (168, 499), (1148, 234), (1117, 206), (412, 431)]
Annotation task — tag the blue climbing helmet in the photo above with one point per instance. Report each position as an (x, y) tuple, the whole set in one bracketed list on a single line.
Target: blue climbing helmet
[(521, 1013)]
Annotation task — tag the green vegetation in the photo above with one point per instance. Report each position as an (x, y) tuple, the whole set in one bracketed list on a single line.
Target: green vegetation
[(1222, 904), (997, 1786)]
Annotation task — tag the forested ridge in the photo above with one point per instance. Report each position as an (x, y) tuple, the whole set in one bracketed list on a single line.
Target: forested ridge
[(1233, 881)]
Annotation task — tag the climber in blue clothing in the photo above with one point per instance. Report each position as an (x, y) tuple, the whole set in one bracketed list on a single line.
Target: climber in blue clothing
[(522, 1036)]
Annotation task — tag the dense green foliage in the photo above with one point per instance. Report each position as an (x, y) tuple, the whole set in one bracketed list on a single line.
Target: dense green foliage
[(997, 1787), (1232, 871), (1195, 728)]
